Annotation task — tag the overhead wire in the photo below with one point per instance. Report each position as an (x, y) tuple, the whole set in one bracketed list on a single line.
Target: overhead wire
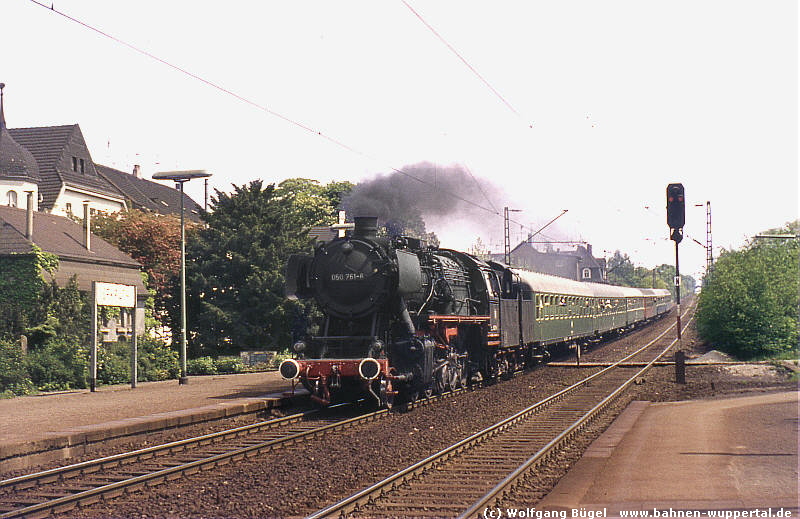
[(479, 76), (305, 127), (460, 57), (250, 102)]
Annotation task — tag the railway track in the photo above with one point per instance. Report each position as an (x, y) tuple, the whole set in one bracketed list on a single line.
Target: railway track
[(61, 489), (477, 473), (57, 490)]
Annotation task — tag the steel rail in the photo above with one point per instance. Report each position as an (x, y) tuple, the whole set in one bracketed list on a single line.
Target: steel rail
[(170, 473), (508, 482), (29, 480), (362, 497), (112, 489)]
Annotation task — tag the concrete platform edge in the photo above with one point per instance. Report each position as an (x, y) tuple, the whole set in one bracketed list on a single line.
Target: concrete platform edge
[(76, 441)]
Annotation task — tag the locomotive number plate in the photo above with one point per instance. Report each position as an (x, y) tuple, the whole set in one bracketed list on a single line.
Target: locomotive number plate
[(347, 276)]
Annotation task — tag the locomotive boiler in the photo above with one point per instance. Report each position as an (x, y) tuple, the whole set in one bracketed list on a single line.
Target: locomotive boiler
[(402, 319)]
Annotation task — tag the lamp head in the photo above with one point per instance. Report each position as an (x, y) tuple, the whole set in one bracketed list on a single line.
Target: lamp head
[(179, 176)]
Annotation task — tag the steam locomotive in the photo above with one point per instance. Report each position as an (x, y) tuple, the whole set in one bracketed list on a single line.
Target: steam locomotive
[(403, 320)]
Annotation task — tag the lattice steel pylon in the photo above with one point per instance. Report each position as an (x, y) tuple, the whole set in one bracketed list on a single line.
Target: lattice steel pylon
[(709, 248), (507, 237)]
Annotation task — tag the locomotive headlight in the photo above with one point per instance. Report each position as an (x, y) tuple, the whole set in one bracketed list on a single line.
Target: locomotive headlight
[(369, 369), (289, 369), (299, 346)]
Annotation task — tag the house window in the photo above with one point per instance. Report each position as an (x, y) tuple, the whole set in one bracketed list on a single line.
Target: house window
[(83, 167), (69, 208), (75, 164), (11, 197), (587, 273)]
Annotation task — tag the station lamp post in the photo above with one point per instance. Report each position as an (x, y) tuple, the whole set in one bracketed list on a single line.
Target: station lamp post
[(180, 178)]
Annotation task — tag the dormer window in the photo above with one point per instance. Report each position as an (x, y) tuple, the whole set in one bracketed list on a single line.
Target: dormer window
[(11, 197), (587, 274)]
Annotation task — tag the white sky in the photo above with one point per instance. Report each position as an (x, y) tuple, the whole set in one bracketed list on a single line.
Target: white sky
[(613, 101)]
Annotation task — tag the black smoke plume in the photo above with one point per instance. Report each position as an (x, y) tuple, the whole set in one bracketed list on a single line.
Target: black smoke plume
[(404, 201)]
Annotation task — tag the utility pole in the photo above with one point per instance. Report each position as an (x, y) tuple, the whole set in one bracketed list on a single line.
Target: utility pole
[(507, 234)]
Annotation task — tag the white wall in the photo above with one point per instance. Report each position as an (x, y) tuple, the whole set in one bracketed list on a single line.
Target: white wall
[(19, 187), (76, 197)]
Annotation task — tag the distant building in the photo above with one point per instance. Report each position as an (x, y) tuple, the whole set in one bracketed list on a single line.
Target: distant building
[(90, 260), (578, 264), (67, 175), (47, 175), (149, 196)]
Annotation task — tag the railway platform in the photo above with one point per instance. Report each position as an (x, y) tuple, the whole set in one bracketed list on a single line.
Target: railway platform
[(54, 426), (673, 459)]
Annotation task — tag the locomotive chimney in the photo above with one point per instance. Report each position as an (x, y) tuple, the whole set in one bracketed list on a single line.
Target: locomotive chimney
[(366, 226)]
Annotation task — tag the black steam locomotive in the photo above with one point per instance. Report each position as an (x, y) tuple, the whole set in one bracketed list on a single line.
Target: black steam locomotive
[(404, 320)]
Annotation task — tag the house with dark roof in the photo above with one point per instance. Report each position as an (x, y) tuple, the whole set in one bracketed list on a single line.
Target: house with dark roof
[(47, 175), (79, 252), (147, 195), (579, 264), (55, 163), (68, 177), (19, 171)]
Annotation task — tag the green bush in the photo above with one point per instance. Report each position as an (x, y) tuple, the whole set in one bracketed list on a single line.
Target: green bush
[(14, 379), (201, 366), (748, 305), (58, 364), (157, 361), (114, 363), (229, 365)]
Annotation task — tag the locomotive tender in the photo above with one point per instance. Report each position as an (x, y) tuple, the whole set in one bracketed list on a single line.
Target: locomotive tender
[(404, 320)]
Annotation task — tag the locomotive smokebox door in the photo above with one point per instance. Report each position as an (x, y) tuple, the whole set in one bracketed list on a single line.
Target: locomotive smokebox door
[(410, 274), (298, 285)]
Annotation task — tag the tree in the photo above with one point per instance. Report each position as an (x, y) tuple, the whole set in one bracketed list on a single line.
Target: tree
[(153, 240), (313, 203), (235, 278), (749, 302), (621, 271)]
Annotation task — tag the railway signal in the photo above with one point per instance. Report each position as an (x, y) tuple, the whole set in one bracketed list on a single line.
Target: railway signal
[(676, 207), (676, 218)]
